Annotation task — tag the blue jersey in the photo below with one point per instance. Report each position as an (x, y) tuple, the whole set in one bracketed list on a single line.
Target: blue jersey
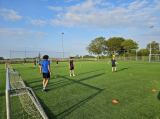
[(45, 64), (39, 61), (113, 61)]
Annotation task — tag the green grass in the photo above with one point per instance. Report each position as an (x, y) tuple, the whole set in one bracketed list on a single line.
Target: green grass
[(90, 96)]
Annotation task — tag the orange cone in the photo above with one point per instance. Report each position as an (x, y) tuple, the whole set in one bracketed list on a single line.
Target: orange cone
[(93, 72), (55, 77), (106, 71), (77, 74), (130, 74), (115, 101), (154, 90)]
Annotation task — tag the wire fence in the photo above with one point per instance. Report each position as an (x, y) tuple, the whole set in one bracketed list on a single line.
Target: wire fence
[(154, 58)]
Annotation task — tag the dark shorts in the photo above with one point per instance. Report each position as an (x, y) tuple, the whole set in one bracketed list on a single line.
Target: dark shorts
[(113, 65), (39, 64), (37, 61), (71, 68), (24, 62), (46, 75), (57, 62), (35, 64)]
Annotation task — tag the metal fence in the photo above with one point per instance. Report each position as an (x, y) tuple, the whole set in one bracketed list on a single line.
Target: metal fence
[(130, 58)]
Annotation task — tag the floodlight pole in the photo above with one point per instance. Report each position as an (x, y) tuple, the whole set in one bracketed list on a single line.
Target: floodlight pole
[(10, 56), (62, 46), (150, 43)]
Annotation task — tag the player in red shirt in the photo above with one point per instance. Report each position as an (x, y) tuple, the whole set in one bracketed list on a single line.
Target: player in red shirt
[(56, 62), (71, 66)]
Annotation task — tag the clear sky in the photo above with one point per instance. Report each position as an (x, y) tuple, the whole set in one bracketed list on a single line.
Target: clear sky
[(37, 25)]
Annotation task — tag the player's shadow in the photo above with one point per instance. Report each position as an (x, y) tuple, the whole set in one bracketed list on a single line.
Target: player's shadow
[(72, 81), (92, 71), (48, 112), (123, 69), (158, 96)]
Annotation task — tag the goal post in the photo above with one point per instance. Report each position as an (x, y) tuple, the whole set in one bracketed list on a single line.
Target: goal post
[(154, 57), (21, 101)]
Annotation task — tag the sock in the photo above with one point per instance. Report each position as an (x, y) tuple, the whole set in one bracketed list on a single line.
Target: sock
[(44, 88), (73, 73)]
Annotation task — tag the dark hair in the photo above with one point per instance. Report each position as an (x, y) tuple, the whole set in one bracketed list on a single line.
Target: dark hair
[(45, 57), (71, 57)]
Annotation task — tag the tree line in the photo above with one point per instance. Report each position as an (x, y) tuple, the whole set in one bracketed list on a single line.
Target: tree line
[(121, 46)]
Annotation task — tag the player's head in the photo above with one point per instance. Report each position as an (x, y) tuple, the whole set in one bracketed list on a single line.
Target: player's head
[(71, 58), (113, 57), (45, 57)]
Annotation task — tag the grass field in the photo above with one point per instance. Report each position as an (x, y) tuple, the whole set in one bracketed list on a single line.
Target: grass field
[(90, 96)]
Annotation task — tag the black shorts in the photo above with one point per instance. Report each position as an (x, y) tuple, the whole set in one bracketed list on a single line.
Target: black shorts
[(71, 68), (57, 62), (46, 75), (35, 64), (39, 64), (113, 65), (37, 61), (24, 62)]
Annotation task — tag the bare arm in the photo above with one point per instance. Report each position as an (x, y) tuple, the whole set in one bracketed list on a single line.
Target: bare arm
[(49, 69), (109, 61), (116, 62), (40, 70)]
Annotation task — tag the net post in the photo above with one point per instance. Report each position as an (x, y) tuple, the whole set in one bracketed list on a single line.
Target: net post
[(8, 108)]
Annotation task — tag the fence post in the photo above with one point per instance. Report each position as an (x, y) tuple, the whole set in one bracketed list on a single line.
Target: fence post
[(124, 55)]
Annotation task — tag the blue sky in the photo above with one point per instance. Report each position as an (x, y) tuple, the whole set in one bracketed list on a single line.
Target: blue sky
[(37, 25)]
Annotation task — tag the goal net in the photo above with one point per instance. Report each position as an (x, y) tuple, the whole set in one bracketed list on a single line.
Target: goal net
[(155, 57), (19, 56), (21, 101)]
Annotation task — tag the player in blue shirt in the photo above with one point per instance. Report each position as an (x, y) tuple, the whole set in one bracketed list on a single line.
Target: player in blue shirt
[(113, 63), (71, 66), (46, 71), (39, 60)]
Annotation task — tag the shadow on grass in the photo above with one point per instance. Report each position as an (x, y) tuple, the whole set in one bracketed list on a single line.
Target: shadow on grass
[(76, 106), (70, 81), (158, 96), (123, 69), (47, 110)]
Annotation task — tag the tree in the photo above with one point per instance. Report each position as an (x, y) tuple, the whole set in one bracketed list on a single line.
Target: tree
[(39, 55), (114, 44), (129, 44), (143, 52), (154, 47), (1, 58), (76, 56), (88, 56), (96, 46)]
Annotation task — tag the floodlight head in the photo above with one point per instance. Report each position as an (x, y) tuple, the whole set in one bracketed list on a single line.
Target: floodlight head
[(151, 26), (62, 33)]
